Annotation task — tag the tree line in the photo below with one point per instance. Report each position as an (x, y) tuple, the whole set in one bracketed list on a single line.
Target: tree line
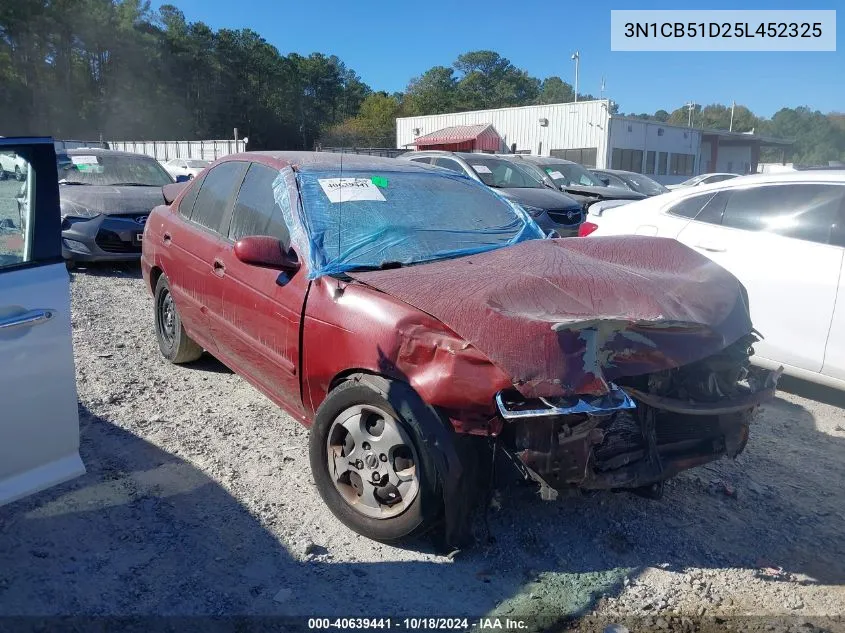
[(117, 69)]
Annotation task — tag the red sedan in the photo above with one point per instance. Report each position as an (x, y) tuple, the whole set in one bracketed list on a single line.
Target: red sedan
[(413, 318)]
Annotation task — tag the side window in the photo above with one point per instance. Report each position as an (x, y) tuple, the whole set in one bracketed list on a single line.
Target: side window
[(448, 163), (423, 159), (809, 212), (15, 202), (706, 207), (186, 205), (30, 222), (217, 193), (256, 211)]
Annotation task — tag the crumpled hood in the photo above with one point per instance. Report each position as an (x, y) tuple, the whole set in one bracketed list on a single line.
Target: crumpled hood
[(112, 200), (566, 316), (544, 198)]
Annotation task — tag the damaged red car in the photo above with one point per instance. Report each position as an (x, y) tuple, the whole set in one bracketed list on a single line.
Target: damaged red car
[(409, 316)]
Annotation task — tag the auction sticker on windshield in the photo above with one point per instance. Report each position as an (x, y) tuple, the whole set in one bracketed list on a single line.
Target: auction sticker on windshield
[(350, 189), (482, 169), (84, 160), (555, 175)]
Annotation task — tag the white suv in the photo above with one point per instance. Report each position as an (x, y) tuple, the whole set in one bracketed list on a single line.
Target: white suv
[(783, 237)]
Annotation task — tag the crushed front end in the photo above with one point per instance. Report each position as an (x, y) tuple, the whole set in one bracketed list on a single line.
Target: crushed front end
[(645, 430)]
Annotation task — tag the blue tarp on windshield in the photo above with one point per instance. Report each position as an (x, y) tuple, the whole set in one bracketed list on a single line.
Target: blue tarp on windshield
[(365, 219)]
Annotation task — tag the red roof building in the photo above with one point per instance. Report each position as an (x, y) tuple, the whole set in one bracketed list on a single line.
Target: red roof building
[(461, 138)]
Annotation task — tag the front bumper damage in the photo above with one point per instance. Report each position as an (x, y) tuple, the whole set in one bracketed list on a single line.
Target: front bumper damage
[(630, 438)]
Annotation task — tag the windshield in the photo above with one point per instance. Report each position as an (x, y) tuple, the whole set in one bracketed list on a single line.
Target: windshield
[(571, 174), (368, 219), (495, 172), (644, 184), (109, 170)]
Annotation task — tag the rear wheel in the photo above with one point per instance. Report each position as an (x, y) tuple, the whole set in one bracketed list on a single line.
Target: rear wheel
[(369, 464), (173, 341)]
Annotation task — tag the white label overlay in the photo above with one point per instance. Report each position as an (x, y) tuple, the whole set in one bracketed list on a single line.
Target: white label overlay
[(84, 160), (482, 169), (350, 189), (555, 175), (723, 30)]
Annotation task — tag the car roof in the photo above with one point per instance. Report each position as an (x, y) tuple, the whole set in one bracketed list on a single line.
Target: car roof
[(546, 160), (316, 161)]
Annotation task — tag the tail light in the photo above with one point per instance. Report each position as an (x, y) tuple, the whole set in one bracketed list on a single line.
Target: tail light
[(586, 228)]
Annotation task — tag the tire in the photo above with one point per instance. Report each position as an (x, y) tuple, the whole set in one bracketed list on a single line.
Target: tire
[(18, 174), (362, 402), (3, 174), (70, 264), (173, 341)]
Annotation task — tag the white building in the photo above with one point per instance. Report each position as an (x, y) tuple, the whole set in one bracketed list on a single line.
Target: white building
[(586, 132)]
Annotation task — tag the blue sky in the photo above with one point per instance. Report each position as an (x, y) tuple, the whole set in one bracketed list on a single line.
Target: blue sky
[(387, 43)]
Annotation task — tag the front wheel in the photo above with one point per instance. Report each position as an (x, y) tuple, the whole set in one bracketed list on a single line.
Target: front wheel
[(173, 341), (369, 463)]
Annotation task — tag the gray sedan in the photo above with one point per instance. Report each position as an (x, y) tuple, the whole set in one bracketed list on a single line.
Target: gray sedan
[(106, 197)]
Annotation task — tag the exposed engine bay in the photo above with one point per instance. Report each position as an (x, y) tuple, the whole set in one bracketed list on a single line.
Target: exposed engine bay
[(646, 430)]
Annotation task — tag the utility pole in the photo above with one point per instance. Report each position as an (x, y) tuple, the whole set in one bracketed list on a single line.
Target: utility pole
[(733, 106), (576, 57), (601, 91), (690, 108)]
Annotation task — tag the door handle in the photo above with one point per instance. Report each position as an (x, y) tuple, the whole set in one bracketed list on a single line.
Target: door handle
[(27, 319), (219, 268), (713, 248), (167, 239)]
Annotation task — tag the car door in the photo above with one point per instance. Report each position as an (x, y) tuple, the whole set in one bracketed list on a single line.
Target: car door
[(197, 270), (776, 239), (262, 307), (39, 424)]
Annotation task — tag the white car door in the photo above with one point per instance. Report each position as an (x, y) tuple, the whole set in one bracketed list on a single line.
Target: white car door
[(776, 239), (39, 423)]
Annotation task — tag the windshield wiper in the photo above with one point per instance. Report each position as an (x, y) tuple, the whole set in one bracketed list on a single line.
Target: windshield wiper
[(73, 182), (130, 184)]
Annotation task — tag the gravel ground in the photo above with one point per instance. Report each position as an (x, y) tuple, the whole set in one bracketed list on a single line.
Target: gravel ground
[(199, 500)]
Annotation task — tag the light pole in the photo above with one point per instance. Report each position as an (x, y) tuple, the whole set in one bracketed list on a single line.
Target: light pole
[(576, 56)]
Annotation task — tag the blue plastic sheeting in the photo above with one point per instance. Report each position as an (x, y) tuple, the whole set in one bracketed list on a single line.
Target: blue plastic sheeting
[(375, 217)]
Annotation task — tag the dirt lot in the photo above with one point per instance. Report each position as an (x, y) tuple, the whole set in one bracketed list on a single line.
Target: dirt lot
[(199, 500)]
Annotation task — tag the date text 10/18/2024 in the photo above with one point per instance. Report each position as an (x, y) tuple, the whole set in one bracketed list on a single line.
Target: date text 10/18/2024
[(419, 624)]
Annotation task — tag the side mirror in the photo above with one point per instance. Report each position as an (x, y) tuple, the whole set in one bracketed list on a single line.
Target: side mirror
[(182, 178), (605, 180), (261, 250)]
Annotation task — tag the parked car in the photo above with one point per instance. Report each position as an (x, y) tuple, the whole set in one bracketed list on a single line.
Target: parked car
[(574, 180), (630, 180), (188, 167), (12, 165), (39, 426), (702, 179), (406, 314), (552, 210), (783, 236), (106, 197)]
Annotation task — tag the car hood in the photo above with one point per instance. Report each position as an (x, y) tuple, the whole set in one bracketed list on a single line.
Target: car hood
[(603, 193), (544, 198), (112, 200), (567, 316)]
